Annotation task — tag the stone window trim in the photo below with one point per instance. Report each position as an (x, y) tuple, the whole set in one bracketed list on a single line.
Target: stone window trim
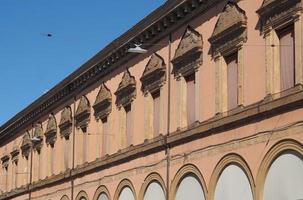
[(276, 15), (15, 155), (5, 160), (228, 38), (103, 103), (51, 130), (82, 115), (189, 54), (230, 31), (126, 92), (66, 122), (26, 145), (38, 133), (154, 75)]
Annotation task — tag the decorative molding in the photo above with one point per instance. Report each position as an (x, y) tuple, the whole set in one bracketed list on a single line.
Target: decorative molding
[(26, 145), (15, 155), (227, 160), (5, 160), (123, 184), (274, 13), (51, 130), (189, 54), (287, 145), (126, 91), (230, 30), (81, 195), (154, 74), (154, 27), (103, 103), (187, 170), (65, 198), (82, 115), (153, 177), (66, 122), (101, 190), (38, 133)]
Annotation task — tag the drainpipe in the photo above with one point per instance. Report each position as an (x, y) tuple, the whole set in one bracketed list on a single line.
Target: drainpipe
[(168, 120), (73, 149)]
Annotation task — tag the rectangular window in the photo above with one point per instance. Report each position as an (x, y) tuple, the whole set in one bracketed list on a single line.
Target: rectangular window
[(232, 81), (287, 57), (156, 113), (105, 136), (128, 124), (190, 99)]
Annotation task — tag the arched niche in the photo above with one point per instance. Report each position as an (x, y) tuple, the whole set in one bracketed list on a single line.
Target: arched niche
[(125, 191), (82, 196), (188, 184), (102, 194), (153, 188), (231, 179), (281, 172)]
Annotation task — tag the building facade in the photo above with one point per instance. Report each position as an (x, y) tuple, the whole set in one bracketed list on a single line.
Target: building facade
[(213, 110)]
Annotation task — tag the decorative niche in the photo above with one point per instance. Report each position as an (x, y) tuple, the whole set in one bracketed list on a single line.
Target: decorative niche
[(15, 155), (26, 145), (189, 54), (66, 123), (230, 31), (126, 91), (51, 130), (5, 160), (38, 133), (154, 75), (103, 103), (82, 115), (274, 13)]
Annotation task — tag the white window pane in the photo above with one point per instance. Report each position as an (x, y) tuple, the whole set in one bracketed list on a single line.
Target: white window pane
[(103, 197), (233, 184), (126, 194), (154, 192), (190, 189), (284, 180)]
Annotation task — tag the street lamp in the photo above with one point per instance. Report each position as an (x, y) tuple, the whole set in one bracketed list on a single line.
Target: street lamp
[(137, 49)]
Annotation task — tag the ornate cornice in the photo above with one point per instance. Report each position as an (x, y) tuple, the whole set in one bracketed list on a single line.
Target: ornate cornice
[(51, 130), (26, 145), (38, 133), (154, 74), (188, 56), (82, 115), (273, 13), (157, 25), (66, 122), (103, 103), (230, 30), (126, 91)]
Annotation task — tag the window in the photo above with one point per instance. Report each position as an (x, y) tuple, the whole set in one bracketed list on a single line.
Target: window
[(128, 124), (105, 136), (287, 57), (156, 112), (232, 80), (190, 90)]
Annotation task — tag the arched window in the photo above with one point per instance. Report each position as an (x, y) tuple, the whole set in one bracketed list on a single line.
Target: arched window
[(233, 184), (284, 179), (154, 191), (190, 188), (126, 194), (103, 196)]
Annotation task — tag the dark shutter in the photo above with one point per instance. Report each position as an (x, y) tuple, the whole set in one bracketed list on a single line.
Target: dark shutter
[(287, 57), (190, 84), (156, 114), (232, 80)]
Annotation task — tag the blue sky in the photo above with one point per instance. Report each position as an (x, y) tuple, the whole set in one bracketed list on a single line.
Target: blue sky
[(31, 63)]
